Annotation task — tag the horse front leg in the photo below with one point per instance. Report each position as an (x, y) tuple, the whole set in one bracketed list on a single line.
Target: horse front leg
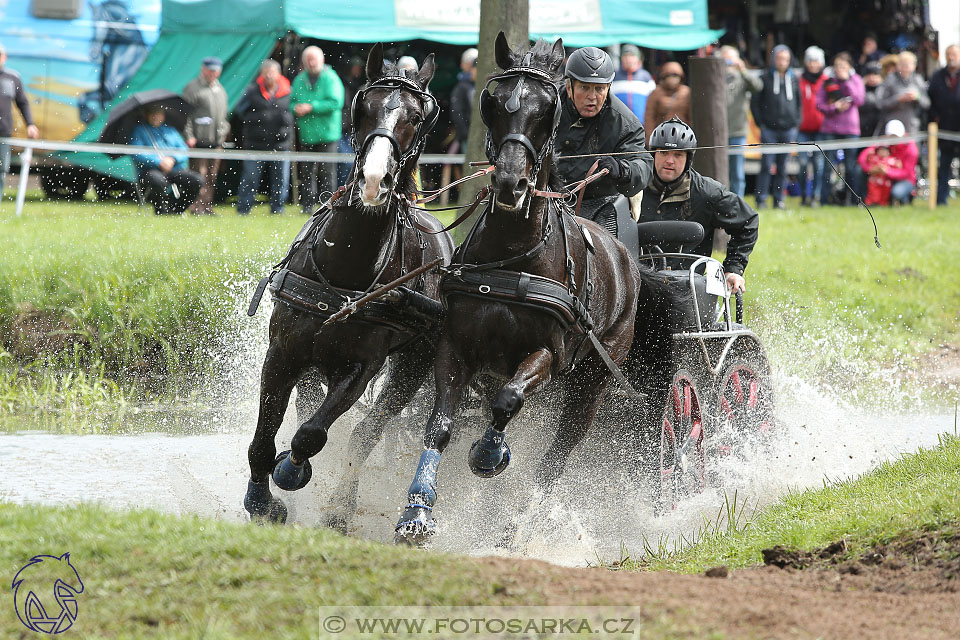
[(452, 374), (490, 455), (405, 378), (347, 382), (277, 380)]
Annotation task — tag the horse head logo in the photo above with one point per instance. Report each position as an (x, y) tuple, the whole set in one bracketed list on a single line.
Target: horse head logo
[(38, 576)]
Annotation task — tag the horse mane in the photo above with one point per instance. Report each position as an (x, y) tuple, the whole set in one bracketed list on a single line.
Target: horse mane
[(542, 55)]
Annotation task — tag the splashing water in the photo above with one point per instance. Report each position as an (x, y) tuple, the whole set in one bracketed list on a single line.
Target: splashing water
[(597, 510)]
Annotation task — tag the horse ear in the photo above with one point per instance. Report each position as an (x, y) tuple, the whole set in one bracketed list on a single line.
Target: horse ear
[(504, 55), (427, 69), (556, 56), (375, 62)]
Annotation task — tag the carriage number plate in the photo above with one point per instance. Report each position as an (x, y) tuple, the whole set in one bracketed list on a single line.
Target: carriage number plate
[(715, 279)]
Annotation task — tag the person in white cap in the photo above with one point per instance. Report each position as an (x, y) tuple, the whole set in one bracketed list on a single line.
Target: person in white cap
[(903, 177), (811, 118), (407, 63), (461, 99)]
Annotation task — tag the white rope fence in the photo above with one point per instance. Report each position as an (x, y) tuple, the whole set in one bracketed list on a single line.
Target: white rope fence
[(28, 146)]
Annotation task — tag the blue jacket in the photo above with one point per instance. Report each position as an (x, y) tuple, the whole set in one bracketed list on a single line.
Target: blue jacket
[(633, 89), (165, 138)]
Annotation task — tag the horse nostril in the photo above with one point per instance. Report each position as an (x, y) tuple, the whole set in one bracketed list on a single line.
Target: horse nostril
[(386, 182), (522, 185)]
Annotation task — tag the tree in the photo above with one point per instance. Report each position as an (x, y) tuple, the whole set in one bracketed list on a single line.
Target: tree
[(511, 17)]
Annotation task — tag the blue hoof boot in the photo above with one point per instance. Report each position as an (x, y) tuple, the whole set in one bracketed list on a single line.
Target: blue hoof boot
[(289, 476), (489, 455), (262, 506), (416, 526)]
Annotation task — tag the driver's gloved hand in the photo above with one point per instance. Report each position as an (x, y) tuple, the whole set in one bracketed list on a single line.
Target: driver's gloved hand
[(611, 165)]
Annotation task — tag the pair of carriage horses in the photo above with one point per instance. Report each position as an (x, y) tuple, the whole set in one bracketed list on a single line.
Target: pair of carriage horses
[(533, 296)]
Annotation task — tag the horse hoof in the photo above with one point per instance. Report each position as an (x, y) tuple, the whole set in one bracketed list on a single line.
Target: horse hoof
[(262, 506), (416, 527), (289, 476), (486, 461)]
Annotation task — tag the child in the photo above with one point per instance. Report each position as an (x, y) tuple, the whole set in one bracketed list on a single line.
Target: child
[(879, 183)]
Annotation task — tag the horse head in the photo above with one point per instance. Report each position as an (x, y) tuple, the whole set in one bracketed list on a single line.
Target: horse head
[(521, 113), (391, 117)]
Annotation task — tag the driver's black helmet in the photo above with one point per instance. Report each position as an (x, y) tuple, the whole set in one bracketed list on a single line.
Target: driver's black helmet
[(674, 135), (591, 65)]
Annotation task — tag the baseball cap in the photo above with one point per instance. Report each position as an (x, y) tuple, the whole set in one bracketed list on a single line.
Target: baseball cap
[(630, 50), (213, 62), (894, 128), (872, 67)]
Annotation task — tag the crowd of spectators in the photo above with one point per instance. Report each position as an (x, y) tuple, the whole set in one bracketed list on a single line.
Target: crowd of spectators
[(869, 94)]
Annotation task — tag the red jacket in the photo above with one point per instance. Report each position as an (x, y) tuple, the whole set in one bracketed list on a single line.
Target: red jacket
[(907, 153), (811, 117)]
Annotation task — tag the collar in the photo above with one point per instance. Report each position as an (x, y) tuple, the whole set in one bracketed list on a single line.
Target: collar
[(676, 191), (283, 88)]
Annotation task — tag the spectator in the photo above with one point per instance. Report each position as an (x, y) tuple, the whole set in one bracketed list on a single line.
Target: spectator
[(879, 184), (633, 84), (870, 111), (776, 109), (811, 119), (407, 63), (740, 85), (945, 110), (903, 172), (869, 52), (317, 103), (839, 99), (888, 64), (351, 85), (670, 98), (169, 186), (267, 126), (461, 100), (903, 94), (11, 91), (207, 128)]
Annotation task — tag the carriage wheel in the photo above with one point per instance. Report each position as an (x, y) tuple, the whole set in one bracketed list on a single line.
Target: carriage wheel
[(682, 453), (744, 406)]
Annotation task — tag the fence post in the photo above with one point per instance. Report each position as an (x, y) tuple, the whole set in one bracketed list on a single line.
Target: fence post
[(26, 156), (932, 168)]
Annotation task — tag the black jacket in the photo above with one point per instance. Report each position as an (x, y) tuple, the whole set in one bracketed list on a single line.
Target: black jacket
[(714, 207), (870, 113), (267, 122), (614, 129), (461, 105), (944, 103), (773, 107)]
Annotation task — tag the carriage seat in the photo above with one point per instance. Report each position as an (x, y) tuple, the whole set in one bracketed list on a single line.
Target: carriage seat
[(669, 233)]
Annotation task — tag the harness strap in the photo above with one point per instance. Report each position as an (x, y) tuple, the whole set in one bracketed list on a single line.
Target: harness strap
[(614, 369), (593, 168), (463, 216)]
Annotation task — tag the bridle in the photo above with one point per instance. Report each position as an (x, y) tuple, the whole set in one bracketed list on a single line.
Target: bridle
[(397, 84), (488, 102)]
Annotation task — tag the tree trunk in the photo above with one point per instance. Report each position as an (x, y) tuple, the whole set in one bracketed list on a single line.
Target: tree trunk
[(708, 110), (511, 17)]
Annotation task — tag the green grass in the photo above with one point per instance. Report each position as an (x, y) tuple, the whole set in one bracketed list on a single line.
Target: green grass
[(106, 306), (149, 575), (919, 492)]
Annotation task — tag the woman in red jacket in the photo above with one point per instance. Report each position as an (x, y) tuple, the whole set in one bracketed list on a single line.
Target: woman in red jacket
[(904, 177), (811, 80)]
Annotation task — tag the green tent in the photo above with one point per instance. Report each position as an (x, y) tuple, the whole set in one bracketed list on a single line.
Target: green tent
[(244, 32)]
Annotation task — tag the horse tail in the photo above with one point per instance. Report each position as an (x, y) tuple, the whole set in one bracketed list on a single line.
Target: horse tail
[(649, 364)]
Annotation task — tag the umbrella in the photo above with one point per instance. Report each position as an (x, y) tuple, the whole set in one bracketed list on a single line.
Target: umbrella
[(125, 115)]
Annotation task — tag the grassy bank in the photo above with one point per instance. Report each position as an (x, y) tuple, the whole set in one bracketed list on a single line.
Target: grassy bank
[(149, 575), (104, 306), (896, 501)]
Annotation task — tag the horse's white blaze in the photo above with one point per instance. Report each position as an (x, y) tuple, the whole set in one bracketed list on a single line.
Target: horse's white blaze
[(376, 162)]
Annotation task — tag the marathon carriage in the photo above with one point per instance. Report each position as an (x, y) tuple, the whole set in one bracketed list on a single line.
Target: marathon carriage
[(719, 396)]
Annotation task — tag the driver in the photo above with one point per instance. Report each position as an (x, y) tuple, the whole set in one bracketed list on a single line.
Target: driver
[(678, 192), (592, 121)]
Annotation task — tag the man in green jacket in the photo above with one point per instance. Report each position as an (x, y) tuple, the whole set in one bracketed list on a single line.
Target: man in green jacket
[(316, 103)]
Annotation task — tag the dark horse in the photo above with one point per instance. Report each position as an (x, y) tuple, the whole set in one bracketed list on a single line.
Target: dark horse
[(530, 324), (368, 236)]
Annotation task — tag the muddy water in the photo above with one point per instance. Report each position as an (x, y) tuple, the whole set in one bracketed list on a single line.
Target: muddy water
[(597, 511)]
